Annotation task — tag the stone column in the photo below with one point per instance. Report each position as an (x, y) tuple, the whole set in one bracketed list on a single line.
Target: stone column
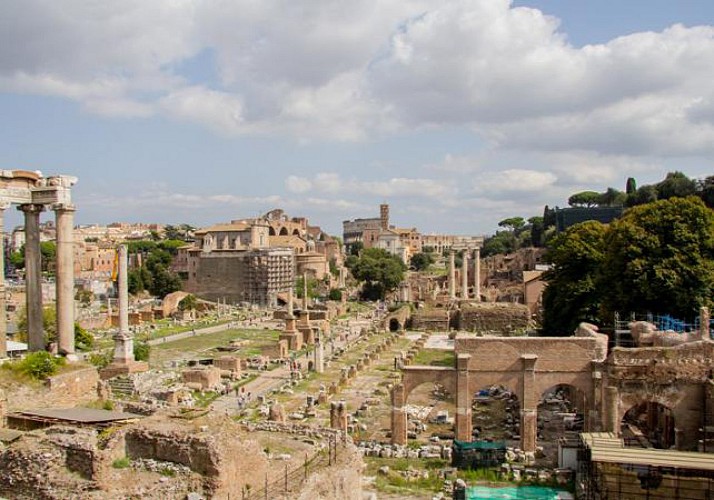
[(612, 415), (33, 276), (64, 215), (529, 402), (123, 341), (319, 355), (704, 320), (399, 416), (464, 399), (304, 291), (452, 275), (477, 274), (3, 306), (290, 306), (465, 276)]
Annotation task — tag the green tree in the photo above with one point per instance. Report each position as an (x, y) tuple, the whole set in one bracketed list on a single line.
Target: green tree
[(380, 271), (676, 184), (421, 261), (660, 258), (585, 199), (631, 186), (612, 198), (573, 294), (512, 223), (706, 191), (644, 194)]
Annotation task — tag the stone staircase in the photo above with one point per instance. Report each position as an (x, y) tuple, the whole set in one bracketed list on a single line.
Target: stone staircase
[(122, 386)]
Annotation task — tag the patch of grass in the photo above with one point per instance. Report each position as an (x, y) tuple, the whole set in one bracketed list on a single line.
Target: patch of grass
[(480, 475), (121, 463), (167, 472), (435, 357), (37, 365), (203, 399)]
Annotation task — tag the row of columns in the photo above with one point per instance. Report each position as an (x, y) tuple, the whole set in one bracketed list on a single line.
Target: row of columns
[(465, 274), (64, 273)]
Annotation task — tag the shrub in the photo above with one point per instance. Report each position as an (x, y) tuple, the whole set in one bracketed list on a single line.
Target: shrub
[(40, 364), (141, 351), (100, 359)]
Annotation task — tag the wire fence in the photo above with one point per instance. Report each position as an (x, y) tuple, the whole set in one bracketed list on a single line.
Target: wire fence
[(291, 480)]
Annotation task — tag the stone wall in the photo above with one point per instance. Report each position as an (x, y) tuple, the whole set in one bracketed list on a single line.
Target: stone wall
[(77, 386), (342, 480), (498, 318)]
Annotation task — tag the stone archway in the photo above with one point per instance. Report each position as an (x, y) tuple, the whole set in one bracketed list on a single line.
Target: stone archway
[(648, 424), (431, 409), (283, 231), (394, 325)]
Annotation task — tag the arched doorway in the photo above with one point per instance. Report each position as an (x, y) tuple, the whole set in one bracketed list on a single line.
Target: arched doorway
[(394, 325), (284, 231), (431, 410), (648, 425), (495, 415), (561, 414), (271, 231)]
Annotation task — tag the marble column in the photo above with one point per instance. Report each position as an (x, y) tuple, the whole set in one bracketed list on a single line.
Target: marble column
[(3, 306), (452, 275), (304, 291), (704, 320), (65, 278), (477, 274), (123, 341), (465, 276), (33, 277)]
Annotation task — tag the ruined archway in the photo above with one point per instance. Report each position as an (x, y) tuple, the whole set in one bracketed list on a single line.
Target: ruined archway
[(648, 425), (561, 414), (296, 232), (495, 415), (430, 408), (394, 325), (271, 231), (283, 231)]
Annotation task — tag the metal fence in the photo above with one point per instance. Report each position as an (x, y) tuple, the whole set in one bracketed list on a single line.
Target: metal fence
[(290, 481)]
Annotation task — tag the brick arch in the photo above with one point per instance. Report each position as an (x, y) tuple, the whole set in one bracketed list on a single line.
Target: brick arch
[(580, 381), (413, 377)]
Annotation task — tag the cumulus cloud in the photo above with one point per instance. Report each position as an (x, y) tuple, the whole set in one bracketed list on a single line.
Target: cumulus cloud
[(318, 70), (398, 187), (514, 180)]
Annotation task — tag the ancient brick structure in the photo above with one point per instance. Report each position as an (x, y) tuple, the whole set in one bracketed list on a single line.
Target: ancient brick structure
[(677, 377)]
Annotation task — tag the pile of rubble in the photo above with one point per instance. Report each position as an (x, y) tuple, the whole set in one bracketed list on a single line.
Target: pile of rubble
[(376, 449)]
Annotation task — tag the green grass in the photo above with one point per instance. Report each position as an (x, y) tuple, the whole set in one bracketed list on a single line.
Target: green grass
[(435, 357), (203, 399), (121, 463)]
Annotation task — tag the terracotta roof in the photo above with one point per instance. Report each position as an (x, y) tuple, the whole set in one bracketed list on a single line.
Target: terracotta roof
[(220, 228)]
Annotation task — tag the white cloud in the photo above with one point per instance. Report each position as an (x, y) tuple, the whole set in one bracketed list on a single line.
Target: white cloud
[(456, 164), (515, 180), (296, 184), (318, 70)]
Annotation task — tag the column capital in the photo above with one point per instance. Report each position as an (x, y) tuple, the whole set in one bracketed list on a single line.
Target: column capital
[(29, 208), (63, 207), (4, 205)]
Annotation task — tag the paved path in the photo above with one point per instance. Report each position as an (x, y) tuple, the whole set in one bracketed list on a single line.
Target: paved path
[(272, 379)]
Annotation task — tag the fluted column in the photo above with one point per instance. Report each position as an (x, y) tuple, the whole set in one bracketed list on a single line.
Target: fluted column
[(477, 274), (3, 306), (64, 215), (452, 275), (33, 277), (465, 276)]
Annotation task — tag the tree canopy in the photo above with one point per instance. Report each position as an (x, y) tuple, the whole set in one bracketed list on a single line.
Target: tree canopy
[(380, 271), (657, 258)]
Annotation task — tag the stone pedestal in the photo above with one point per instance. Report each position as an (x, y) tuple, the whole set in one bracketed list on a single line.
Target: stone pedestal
[(529, 429)]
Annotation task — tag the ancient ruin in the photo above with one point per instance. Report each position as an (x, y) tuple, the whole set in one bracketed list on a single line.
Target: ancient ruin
[(33, 193)]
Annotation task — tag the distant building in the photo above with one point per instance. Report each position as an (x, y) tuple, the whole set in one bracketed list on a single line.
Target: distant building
[(566, 217)]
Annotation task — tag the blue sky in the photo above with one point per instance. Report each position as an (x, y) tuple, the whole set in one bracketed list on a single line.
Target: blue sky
[(456, 113)]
